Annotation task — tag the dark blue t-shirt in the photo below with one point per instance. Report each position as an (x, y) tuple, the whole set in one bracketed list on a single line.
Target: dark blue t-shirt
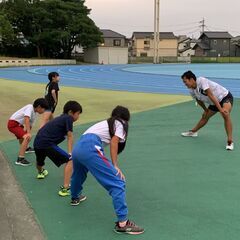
[(53, 132)]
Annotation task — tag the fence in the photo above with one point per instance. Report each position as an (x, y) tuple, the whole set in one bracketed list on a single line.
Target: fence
[(135, 60), (35, 62), (215, 59)]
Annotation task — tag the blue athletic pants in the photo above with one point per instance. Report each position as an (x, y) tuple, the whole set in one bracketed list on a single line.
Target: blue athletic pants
[(88, 155)]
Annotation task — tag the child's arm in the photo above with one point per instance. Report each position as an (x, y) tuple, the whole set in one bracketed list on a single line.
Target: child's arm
[(114, 155), (70, 142), (27, 124), (54, 95), (27, 127)]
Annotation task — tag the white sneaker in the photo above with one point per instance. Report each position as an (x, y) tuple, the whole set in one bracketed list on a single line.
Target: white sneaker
[(230, 147), (189, 134)]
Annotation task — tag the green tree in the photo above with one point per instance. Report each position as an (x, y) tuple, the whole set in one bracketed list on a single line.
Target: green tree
[(7, 36), (53, 27)]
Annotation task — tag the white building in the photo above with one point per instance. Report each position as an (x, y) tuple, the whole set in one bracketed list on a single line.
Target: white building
[(113, 50)]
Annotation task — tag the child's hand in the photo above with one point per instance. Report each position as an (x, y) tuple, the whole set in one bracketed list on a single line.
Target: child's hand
[(119, 172), (28, 136)]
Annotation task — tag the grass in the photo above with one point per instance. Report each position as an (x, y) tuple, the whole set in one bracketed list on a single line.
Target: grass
[(97, 104)]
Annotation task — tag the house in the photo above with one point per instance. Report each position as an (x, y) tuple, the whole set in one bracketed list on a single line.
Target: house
[(142, 44), (113, 49), (213, 44), (235, 46), (185, 47)]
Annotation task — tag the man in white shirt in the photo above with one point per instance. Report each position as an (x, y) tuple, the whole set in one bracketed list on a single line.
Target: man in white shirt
[(20, 124), (218, 98)]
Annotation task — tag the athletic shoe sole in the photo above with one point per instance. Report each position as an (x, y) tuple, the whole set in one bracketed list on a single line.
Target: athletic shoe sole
[(130, 233), (81, 200), (21, 164)]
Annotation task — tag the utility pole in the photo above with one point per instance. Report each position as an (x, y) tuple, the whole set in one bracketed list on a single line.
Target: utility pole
[(156, 32), (202, 26)]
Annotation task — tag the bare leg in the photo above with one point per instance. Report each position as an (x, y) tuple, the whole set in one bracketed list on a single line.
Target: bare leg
[(47, 116), (227, 121), (67, 174), (203, 121), (23, 145), (39, 168)]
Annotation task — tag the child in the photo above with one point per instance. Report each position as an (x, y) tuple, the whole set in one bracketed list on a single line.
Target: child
[(88, 155), (217, 97), (25, 117), (50, 135), (51, 95)]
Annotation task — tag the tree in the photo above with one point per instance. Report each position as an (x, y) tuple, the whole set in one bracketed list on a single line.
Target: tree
[(53, 27), (7, 36)]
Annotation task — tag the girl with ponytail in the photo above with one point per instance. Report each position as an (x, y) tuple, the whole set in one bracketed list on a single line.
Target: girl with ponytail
[(88, 155), (51, 95)]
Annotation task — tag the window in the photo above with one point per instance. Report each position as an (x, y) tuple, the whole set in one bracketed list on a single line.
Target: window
[(116, 42), (215, 42), (146, 42), (224, 41)]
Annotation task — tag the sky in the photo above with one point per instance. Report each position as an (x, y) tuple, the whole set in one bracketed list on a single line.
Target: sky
[(182, 17)]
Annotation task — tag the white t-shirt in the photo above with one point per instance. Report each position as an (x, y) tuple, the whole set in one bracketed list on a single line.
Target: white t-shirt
[(202, 85), (101, 129), (26, 111)]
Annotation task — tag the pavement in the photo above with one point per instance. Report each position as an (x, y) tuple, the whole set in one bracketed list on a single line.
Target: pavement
[(17, 220)]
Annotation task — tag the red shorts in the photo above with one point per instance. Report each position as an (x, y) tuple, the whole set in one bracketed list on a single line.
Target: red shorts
[(16, 128)]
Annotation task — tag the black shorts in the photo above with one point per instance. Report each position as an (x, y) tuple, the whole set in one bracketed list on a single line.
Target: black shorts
[(228, 98), (55, 153), (51, 109)]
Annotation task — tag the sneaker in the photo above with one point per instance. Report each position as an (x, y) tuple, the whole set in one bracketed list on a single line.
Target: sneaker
[(64, 191), (22, 162), (230, 146), (129, 228), (29, 150), (42, 174), (189, 134), (76, 201)]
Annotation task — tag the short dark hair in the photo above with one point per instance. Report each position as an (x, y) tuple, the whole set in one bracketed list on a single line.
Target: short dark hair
[(189, 74), (42, 102), (72, 106), (51, 75)]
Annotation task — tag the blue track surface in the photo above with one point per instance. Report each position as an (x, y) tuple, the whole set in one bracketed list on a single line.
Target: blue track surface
[(163, 78)]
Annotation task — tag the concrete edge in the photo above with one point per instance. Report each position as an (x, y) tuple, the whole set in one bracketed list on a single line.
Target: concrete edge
[(17, 219)]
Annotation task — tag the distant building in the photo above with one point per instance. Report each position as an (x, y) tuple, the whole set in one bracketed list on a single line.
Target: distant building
[(235, 46), (113, 50), (142, 44), (213, 44), (185, 47)]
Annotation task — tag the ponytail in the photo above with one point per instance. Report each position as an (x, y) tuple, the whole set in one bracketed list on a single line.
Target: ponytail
[(51, 75), (122, 115)]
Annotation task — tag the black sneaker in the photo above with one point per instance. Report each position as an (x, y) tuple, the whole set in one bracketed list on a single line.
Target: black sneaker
[(29, 150), (129, 228), (76, 201), (22, 162)]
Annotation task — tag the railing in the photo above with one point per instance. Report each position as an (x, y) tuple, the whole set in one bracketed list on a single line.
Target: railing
[(35, 62)]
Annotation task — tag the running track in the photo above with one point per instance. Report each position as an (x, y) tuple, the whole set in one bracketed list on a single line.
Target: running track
[(135, 78)]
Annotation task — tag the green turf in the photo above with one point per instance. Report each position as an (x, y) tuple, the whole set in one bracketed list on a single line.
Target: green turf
[(97, 104), (177, 188)]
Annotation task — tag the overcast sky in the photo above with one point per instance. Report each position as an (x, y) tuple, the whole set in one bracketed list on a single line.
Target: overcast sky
[(179, 16)]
